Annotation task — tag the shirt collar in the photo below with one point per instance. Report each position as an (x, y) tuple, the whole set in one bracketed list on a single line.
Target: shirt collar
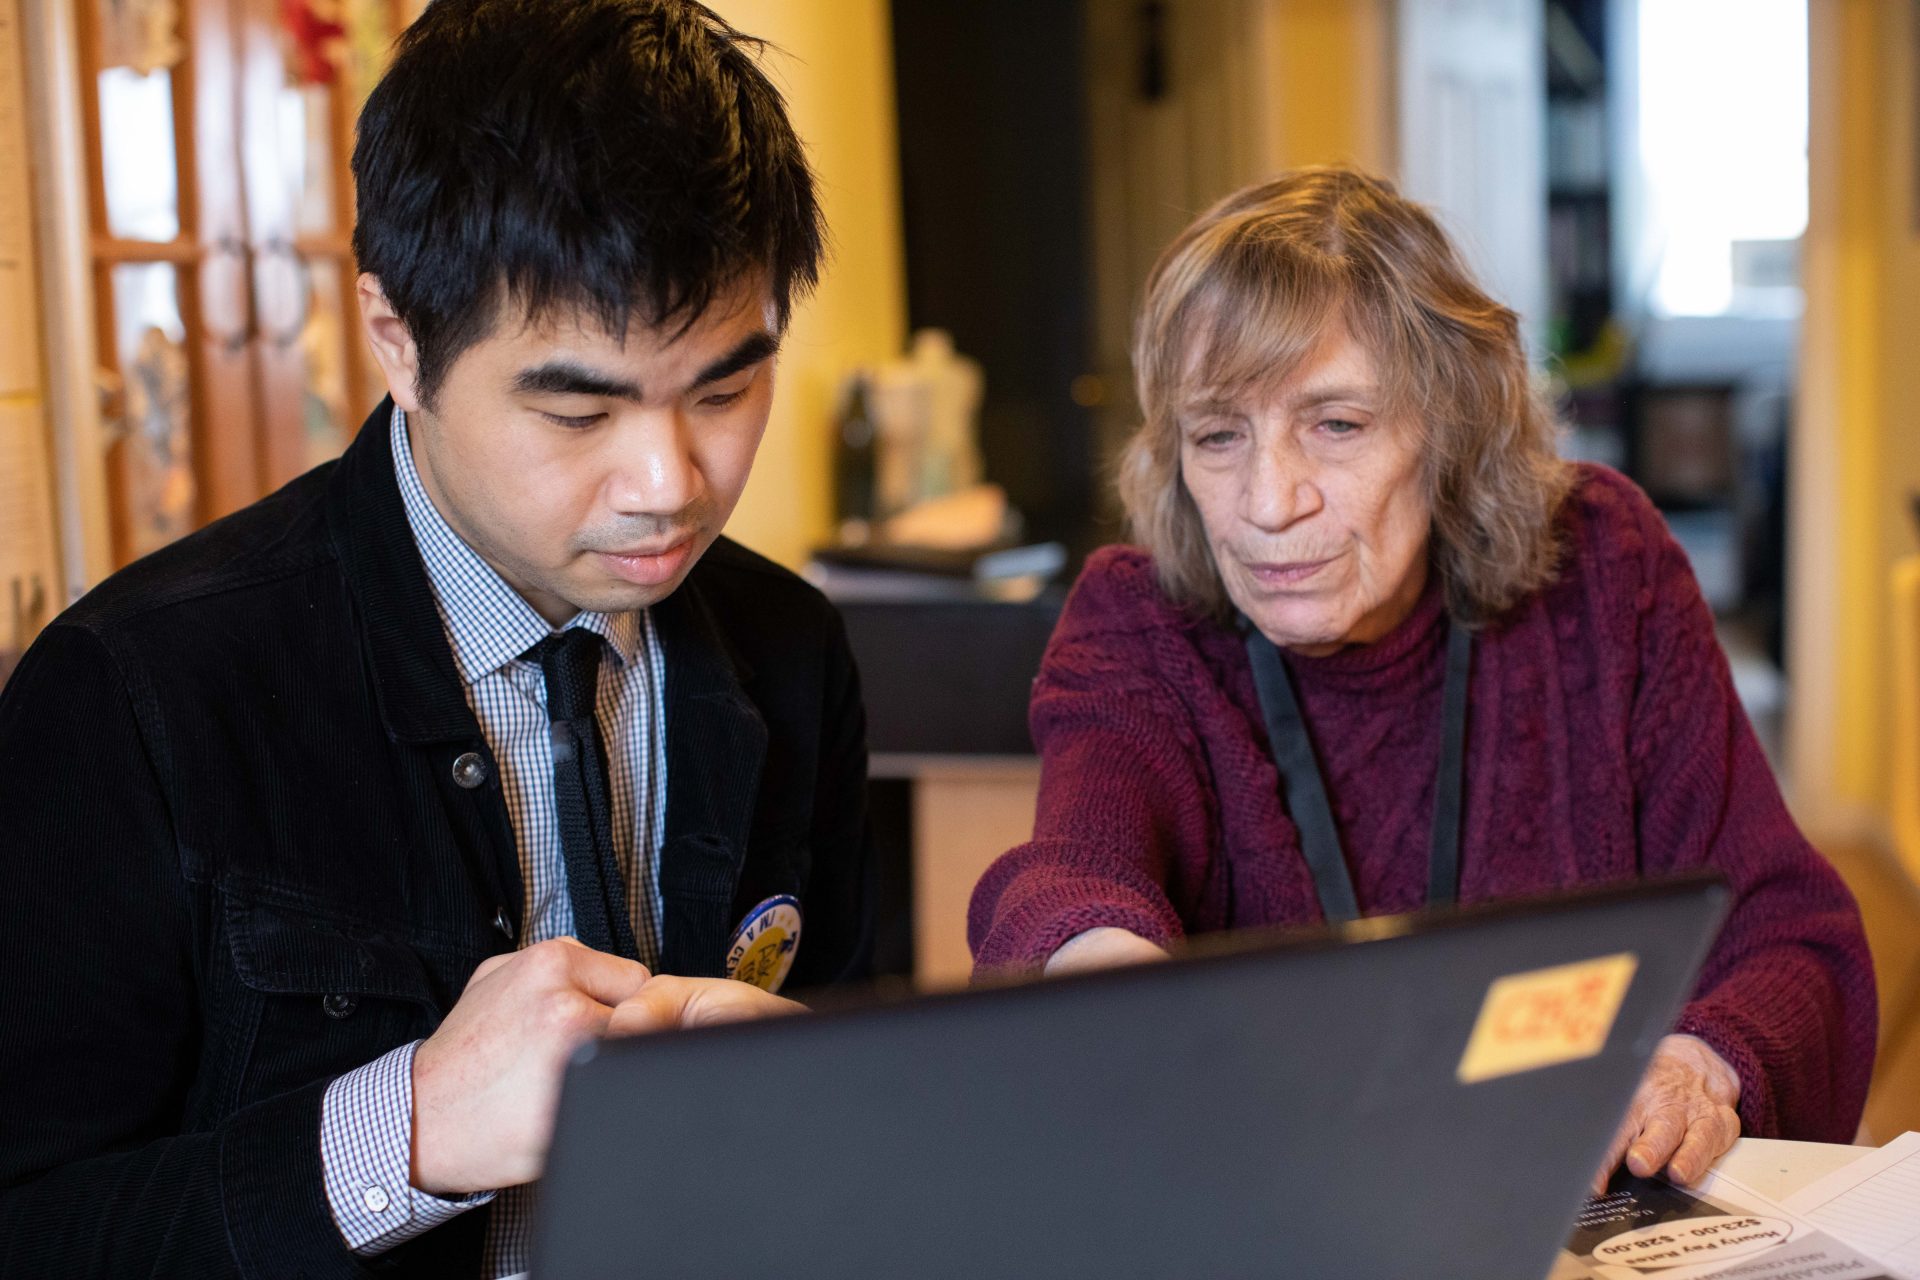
[(488, 623)]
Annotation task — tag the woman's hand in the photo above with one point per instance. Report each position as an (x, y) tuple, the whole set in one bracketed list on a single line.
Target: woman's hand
[(1103, 948), (1682, 1117)]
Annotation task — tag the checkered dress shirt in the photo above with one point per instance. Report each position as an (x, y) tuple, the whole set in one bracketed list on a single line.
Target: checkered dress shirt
[(367, 1119)]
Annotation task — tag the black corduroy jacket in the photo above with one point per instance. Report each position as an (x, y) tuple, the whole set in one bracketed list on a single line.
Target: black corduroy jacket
[(236, 863)]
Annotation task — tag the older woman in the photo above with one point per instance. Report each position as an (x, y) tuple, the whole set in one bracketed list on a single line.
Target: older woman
[(1382, 648)]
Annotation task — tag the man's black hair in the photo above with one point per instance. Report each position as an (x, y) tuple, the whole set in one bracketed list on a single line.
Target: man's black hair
[(623, 157)]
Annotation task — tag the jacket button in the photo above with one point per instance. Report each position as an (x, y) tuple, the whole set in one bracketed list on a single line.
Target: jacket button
[(470, 770), (339, 1005), (503, 922)]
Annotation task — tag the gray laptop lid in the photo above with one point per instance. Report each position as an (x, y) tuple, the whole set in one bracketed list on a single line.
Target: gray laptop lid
[(1411, 1096)]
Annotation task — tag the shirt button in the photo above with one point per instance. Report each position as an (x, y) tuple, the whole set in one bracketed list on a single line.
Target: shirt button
[(503, 922), (375, 1198), (470, 770), (338, 1005)]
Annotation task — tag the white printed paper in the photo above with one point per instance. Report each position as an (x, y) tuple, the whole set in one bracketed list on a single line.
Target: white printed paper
[(1873, 1204), (1650, 1229)]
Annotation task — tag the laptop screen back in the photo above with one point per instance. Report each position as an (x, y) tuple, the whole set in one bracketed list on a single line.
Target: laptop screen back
[(1400, 1097)]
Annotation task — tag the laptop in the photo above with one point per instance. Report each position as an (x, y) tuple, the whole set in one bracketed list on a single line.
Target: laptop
[(1422, 1096)]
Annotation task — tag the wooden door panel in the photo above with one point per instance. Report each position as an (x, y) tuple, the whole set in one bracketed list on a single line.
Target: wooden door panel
[(302, 94), (218, 306), (219, 182), (155, 478), (278, 275), (169, 268)]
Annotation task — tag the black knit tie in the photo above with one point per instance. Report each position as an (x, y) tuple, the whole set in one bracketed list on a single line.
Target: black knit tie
[(570, 664)]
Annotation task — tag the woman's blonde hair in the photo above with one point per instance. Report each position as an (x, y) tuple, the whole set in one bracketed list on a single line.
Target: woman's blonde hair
[(1257, 282)]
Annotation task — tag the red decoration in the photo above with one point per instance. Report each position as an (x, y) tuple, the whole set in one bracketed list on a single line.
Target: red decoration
[(316, 39)]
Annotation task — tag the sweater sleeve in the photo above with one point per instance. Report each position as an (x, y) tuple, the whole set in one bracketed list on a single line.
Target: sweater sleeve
[(1124, 798), (1787, 992)]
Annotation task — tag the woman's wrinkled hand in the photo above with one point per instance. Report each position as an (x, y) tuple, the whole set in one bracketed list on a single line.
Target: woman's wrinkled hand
[(1682, 1117)]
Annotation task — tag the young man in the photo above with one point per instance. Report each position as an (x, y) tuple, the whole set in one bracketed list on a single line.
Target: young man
[(332, 829)]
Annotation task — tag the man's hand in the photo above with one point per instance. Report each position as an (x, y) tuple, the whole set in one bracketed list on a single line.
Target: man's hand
[(485, 1085), (1103, 948), (1682, 1117), (669, 1001)]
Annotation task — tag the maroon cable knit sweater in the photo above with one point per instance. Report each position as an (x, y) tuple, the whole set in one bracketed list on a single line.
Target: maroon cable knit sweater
[(1604, 742)]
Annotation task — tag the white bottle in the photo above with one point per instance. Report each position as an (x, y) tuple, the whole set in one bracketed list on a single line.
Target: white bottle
[(950, 460), (926, 408)]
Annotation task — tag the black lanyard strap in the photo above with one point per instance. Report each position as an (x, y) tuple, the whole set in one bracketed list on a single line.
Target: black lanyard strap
[(1305, 790)]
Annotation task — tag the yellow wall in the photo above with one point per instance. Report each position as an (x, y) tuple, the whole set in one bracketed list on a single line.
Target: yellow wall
[(833, 59), (1856, 445), (1329, 83)]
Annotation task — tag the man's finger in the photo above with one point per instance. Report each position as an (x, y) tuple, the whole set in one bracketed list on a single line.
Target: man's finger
[(1658, 1139), (607, 978), (722, 1001), (487, 966), (671, 1001), (657, 1006), (492, 964)]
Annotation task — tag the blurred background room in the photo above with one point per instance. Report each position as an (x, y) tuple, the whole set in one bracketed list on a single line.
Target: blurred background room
[(1707, 213)]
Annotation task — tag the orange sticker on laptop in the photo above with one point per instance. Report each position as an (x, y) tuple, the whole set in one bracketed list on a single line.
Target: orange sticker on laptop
[(1545, 1017)]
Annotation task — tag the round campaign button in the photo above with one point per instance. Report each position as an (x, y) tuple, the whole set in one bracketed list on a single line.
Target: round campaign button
[(761, 949)]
